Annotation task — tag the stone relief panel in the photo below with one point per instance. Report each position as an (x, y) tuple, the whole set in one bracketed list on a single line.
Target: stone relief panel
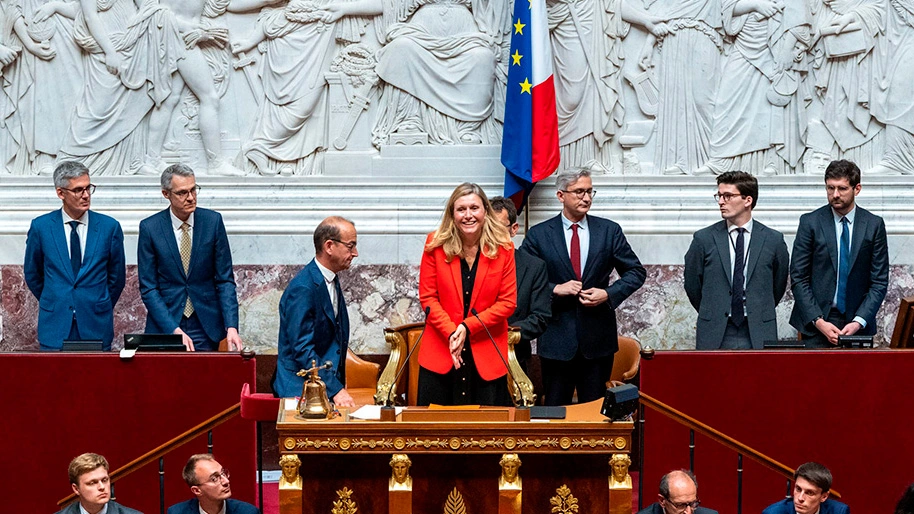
[(271, 87)]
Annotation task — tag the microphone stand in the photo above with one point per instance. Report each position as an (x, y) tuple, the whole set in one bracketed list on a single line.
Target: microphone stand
[(388, 412), (522, 411)]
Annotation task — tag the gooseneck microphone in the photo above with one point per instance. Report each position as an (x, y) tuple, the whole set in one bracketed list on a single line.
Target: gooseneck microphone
[(393, 386), (523, 404)]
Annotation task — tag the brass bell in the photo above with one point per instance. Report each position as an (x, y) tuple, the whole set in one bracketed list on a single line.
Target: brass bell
[(314, 403)]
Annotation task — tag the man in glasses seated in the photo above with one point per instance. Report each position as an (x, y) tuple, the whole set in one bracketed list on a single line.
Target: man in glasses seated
[(184, 265), (74, 265), (678, 495), (209, 482)]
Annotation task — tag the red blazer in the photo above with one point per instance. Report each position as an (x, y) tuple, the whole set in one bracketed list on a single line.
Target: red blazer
[(494, 298)]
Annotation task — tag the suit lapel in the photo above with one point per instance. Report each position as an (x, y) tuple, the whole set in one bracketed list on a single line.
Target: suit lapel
[(827, 222), (167, 234), (722, 241), (859, 230), (558, 241), (597, 240), (482, 267), (454, 266), (324, 294), (756, 242), (92, 236), (195, 239), (61, 241)]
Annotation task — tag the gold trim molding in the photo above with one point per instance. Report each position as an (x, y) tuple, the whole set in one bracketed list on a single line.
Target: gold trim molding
[(493, 444)]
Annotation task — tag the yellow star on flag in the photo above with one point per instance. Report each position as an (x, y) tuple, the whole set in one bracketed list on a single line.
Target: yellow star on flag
[(525, 87), (519, 27), (517, 57)]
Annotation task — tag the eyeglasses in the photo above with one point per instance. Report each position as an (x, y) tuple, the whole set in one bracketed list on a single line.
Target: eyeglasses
[(726, 197), (78, 191), (183, 193), (681, 507), (349, 245), (216, 478), (579, 193)]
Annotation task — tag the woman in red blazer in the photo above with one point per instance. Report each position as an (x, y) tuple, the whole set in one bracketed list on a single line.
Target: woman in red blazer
[(468, 263)]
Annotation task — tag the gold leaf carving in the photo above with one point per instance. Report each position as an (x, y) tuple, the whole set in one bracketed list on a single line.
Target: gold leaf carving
[(563, 502), (454, 503), (345, 505)]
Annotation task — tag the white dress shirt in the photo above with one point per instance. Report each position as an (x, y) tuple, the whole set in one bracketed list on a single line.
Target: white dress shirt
[(329, 276), (583, 238), (851, 217), (731, 233), (176, 227), (82, 229)]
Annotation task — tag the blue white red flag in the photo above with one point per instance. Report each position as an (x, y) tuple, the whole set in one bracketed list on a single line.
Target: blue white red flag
[(530, 141)]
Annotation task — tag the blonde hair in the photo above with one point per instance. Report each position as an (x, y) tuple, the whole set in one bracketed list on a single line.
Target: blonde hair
[(85, 463), (448, 235)]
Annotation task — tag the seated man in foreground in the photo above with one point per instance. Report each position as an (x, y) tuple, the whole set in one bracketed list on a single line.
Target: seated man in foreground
[(678, 495), (811, 483), (90, 482), (209, 482)]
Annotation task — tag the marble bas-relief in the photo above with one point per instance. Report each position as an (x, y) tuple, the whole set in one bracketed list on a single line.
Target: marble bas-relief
[(377, 296), (278, 87)]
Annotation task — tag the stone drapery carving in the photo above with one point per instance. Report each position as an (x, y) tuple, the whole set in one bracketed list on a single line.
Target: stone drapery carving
[(272, 87)]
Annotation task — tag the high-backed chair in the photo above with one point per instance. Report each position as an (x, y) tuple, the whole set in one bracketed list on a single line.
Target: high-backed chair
[(402, 338), (626, 363), (361, 378)]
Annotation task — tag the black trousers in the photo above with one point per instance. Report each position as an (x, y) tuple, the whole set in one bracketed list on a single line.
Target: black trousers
[(587, 376)]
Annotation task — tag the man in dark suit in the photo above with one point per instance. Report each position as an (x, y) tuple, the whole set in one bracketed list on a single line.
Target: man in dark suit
[(811, 483), (534, 298), (209, 482), (313, 322), (839, 268), (74, 265), (678, 495), (740, 313), (580, 251), (184, 265), (89, 480)]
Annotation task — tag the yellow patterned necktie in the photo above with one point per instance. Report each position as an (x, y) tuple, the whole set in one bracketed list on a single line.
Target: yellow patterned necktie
[(185, 260)]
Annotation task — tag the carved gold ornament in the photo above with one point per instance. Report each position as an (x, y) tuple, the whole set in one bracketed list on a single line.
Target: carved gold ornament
[(454, 503), (344, 505), (619, 443), (288, 443), (493, 444), (563, 502)]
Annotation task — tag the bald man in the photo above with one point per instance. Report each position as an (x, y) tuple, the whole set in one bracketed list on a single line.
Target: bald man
[(678, 495)]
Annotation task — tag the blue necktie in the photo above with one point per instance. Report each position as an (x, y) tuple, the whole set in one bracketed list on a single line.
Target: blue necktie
[(737, 290), (844, 265), (76, 259)]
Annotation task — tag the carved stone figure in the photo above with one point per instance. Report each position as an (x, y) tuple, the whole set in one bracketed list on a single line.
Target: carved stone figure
[(841, 124), (438, 67), (893, 103), (587, 63), (290, 479), (510, 478), (399, 478), (620, 478), (687, 72), (760, 99)]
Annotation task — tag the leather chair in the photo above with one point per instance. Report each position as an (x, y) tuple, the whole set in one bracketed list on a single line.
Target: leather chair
[(626, 363), (361, 378), (259, 407)]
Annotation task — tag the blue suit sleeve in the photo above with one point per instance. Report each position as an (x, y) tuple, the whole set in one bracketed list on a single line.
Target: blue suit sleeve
[(631, 273), (225, 277), (147, 263), (301, 335), (33, 267), (117, 271), (693, 273), (879, 277)]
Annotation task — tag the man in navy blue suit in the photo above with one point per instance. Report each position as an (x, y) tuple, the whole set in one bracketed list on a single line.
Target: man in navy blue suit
[(811, 483), (678, 495), (209, 482), (581, 251), (313, 323), (185, 268), (74, 265)]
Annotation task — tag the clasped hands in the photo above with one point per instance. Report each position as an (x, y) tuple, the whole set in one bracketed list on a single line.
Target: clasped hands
[(832, 332), (455, 344), (588, 297)]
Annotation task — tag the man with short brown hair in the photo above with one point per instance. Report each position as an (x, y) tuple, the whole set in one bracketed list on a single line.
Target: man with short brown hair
[(89, 480), (811, 484), (209, 482)]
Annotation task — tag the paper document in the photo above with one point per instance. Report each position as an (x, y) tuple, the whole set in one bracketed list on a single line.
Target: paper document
[(371, 412)]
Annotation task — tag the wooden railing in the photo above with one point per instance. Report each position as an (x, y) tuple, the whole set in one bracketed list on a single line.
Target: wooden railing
[(715, 435), (160, 451)]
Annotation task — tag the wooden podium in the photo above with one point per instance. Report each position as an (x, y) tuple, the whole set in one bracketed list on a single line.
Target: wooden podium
[(455, 464)]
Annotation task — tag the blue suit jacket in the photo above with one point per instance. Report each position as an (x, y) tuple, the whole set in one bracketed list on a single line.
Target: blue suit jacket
[(310, 330), (210, 283), (90, 295), (655, 508), (593, 329), (829, 506), (113, 508), (192, 506)]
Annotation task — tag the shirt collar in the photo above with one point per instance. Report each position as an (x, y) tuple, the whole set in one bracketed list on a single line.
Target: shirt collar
[(850, 216), (566, 223), (176, 222), (82, 510), (329, 276), (732, 226), (83, 220), (224, 507)]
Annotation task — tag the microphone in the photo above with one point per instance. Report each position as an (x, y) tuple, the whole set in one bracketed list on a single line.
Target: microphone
[(393, 386), (503, 361)]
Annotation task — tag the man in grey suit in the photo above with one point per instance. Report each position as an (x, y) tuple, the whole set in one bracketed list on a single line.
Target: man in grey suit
[(89, 480), (736, 271), (678, 495), (840, 265)]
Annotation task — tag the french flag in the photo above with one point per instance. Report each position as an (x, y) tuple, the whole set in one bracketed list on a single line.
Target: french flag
[(530, 141)]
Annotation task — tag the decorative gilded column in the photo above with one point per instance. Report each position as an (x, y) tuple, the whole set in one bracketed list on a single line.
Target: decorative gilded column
[(620, 484), (290, 495), (400, 486), (509, 485)]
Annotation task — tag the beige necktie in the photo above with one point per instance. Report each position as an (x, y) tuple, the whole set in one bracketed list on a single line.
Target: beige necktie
[(185, 260)]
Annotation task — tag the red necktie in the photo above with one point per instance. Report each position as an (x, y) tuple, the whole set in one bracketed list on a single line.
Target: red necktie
[(575, 250)]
